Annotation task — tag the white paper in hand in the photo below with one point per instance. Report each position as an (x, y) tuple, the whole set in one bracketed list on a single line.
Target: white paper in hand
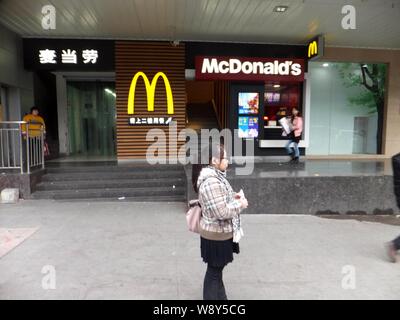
[(285, 125)]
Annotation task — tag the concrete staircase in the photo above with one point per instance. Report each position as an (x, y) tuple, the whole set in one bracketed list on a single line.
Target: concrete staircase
[(138, 182)]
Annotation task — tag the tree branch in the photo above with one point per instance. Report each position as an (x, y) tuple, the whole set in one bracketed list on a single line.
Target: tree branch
[(364, 81), (370, 75)]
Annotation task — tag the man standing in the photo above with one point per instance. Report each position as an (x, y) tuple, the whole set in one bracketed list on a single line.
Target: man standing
[(32, 134), (35, 122)]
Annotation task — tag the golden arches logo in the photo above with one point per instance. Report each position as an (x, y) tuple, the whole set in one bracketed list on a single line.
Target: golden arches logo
[(312, 49), (150, 92)]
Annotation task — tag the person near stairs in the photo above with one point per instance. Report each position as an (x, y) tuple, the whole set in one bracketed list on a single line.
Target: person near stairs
[(220, 221), (32, 132), (295, 136)]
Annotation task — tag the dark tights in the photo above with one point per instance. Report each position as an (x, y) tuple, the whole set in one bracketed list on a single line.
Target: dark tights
[(213, 285)]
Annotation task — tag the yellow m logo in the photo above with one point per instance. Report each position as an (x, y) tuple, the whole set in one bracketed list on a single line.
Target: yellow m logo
[(312, 49), (150, 91)]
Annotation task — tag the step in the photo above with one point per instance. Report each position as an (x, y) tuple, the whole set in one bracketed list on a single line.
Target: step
[(111, 193), (108, 184), (179, 198), (79, 176), (122, 168)]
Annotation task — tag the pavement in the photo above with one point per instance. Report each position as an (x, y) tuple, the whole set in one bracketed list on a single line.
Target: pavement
[(125, 250)]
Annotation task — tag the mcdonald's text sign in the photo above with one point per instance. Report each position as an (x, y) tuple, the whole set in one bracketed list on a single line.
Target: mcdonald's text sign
[(251, 69)]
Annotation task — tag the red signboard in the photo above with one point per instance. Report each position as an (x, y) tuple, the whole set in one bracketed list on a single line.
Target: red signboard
[(251, 69)]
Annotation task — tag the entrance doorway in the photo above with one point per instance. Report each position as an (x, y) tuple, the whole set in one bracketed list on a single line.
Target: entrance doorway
[(91, 118)]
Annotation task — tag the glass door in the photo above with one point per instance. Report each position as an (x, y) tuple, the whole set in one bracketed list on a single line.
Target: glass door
[(91, 118), (3, 104)]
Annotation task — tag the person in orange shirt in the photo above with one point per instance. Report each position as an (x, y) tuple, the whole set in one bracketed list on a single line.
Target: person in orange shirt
[(32, 133), (35, 122)]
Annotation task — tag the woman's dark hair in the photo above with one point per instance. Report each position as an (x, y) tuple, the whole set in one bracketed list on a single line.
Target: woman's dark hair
[(298, 114), (204, 159), (34, 108)]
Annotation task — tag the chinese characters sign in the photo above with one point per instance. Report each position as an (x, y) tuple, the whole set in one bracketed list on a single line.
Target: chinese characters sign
[(134, 121), (68, 54)]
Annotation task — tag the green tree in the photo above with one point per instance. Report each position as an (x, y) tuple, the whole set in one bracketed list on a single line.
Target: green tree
[(372, 79)]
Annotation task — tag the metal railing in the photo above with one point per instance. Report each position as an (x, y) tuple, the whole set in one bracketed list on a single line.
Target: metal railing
[(21, 150)]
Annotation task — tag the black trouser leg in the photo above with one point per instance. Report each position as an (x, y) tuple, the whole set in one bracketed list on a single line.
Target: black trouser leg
[(396, 243), (221, 292), (213, 285)]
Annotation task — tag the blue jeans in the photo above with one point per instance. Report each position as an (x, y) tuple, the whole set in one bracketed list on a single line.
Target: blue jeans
[(296, 148)]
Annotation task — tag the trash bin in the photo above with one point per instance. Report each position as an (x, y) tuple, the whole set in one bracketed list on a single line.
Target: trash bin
[(396, 176)]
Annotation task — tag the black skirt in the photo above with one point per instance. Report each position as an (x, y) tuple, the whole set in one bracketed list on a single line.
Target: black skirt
[(218, 253)]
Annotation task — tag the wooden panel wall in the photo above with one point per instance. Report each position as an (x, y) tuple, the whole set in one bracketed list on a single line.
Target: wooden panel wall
[(150, 58), (221, 98), (199, 91)]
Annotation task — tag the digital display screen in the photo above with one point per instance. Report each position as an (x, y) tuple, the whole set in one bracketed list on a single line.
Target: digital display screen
[(248, 127), (248, 102), (272, 97)]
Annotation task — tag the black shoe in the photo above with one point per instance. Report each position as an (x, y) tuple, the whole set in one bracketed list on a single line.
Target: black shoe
[(295, 160)]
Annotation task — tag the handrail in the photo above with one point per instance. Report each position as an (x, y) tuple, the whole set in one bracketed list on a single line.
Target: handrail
[(13, 122), (20, 150), (216, 114)]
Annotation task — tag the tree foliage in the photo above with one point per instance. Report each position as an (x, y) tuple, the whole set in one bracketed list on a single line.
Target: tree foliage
[(369, 77)]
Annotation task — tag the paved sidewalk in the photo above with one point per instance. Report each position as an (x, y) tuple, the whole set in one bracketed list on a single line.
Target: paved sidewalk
[(122, 250)]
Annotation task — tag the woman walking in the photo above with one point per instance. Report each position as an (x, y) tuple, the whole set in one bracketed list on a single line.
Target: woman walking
[(221, 208), (295, 136)]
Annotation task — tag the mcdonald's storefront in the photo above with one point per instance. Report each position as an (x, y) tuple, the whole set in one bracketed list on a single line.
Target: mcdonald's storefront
[(109, 94)]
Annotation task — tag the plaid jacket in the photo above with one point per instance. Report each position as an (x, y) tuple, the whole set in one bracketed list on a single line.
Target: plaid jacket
[(217, 201)]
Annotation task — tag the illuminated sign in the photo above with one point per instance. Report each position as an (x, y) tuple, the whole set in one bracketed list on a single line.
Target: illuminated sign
[(315, 48), (69, 55), (47, 56), (239, 68), (150, 92), (150, 121)]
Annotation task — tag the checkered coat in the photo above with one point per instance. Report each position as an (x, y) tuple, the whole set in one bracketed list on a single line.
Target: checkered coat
[(220, 210)]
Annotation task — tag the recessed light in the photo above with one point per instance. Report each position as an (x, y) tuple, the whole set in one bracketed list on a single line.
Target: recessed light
[(325, 65), (280, 9)]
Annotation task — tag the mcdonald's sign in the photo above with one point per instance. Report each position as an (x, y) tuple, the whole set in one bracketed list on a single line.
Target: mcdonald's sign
[(150, 92), (312, 49), (315, 48)]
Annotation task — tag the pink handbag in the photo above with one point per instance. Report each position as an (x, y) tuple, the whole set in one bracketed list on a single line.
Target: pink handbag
[(193, 216)]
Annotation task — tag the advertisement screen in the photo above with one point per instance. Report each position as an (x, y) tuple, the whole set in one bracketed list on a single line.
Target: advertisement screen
[(248, 127), (272, 97), (248, 102)]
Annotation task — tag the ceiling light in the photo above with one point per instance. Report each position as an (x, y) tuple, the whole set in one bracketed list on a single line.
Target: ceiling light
[(277, 85), (325, 65), (280, 9), (110, 92)]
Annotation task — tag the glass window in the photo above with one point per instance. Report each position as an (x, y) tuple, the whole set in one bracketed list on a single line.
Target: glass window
[(279, 100), (346, 111), (91, 118)]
